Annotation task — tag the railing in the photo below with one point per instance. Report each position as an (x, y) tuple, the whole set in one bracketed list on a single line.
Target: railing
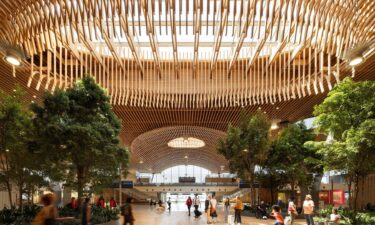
[(232, 184)]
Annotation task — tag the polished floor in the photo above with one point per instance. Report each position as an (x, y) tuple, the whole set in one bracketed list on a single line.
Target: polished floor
[(146, 215)]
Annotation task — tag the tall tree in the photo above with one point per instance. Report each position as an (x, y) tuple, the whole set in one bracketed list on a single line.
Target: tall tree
[(78, 134), (246, 146), (348, 115), (16, 131), (293, 158), (270, 175)]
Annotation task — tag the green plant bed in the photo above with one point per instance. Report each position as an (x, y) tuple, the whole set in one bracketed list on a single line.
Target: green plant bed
[(19, 216), (103, 215)]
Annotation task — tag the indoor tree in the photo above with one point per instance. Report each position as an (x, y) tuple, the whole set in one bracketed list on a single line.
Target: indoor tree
[(246, 146), (297, 162), (78, 134), (347, 114), (18, 166)]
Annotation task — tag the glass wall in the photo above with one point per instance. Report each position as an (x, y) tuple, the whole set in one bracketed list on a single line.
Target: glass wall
[(172, 174)]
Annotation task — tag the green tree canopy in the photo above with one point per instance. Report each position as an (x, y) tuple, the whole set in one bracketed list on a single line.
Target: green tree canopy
[(348, 113), (18, 166), (246, 146), (78, 135), (296, 161)]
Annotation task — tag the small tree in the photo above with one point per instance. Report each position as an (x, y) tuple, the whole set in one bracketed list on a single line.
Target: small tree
[(246, 146), (16, 162), (348, 114), (78, 135)]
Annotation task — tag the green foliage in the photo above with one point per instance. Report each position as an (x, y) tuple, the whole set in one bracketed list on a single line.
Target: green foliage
[(78, 136), (252, 135), (347, 106), (103, 215), (289, 155), (68, 212), (19, 216), (348, 113), (18, 166)]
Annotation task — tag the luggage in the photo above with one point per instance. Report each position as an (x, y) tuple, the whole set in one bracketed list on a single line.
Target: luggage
[(197, 213)]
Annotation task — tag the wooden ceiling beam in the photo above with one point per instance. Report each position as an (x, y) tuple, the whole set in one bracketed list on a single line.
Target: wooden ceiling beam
[(150, 29), (172, 14)]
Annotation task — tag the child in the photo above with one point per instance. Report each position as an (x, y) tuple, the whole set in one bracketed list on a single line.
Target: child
[(335, 217), (278, 217)]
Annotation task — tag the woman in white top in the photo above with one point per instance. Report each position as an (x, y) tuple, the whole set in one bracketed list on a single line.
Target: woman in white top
[(308, 210), (213, 211), (335, 217)]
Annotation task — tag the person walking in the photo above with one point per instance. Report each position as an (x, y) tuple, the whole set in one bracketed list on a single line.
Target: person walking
[(127, 212), (213, 211), (189, 202), (169, 202), (292, 211), (86, 212), (238, 207), (226, 209), (197, 203), (207, 209), (277, 215), (308, 210), (48, 214)]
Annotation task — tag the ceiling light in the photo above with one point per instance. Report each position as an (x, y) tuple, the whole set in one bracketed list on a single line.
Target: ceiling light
[(186, 142), (13, 60), (186, 157), (245, 150), (7, 150), (277, 108), (356, 61), (274, 126), (34, 96), (140, 162)]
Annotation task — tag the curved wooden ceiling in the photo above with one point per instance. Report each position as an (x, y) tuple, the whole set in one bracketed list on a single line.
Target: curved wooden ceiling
[(151, 148), (188, 65)]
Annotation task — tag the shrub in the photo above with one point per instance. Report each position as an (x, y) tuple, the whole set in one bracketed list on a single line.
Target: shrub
[(103, 215), (19, 216)]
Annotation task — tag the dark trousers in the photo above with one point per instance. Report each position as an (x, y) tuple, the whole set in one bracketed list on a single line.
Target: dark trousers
[(309, 219), (189, 206), (237, 215)]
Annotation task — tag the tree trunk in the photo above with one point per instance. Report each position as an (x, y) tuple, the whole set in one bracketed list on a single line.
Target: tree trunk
[(356, 189), (20, 192), (80, 184), (9, 188)]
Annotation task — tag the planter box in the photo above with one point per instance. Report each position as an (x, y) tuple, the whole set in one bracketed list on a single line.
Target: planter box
[(113, 222)]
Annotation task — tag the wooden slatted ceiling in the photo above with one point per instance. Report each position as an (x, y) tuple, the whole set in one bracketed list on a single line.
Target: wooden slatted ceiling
[(282, 58), (151, 147)]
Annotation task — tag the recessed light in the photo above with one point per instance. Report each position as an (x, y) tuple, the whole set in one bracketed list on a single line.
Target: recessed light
[(259, 108), (13, 60), (245, 150), (34, 96), (274, 126), (7, 150), (186, 157), (140, 162), (277, 108), (356, 61), (32, 101)]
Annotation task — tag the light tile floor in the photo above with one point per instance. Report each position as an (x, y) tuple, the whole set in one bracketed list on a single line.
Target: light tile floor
[(146, 215)]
